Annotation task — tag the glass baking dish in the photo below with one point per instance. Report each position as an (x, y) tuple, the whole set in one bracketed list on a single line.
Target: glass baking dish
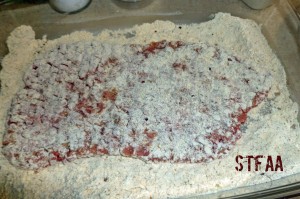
[(279, 23)]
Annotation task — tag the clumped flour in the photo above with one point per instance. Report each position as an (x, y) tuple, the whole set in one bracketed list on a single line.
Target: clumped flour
[(271, 129)]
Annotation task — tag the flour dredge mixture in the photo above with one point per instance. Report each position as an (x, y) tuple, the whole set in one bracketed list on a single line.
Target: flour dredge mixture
[(162, 107)]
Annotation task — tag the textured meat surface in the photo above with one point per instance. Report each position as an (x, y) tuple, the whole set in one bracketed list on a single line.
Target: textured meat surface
[(162, 102)]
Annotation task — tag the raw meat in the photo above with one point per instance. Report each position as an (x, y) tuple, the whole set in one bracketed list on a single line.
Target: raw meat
[(162, 102)]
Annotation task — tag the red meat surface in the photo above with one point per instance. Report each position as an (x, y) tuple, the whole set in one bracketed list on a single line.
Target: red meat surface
[(70, 107)]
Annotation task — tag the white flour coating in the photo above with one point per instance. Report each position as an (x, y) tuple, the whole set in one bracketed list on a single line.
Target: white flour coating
[(159, 102), (272, 128)]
